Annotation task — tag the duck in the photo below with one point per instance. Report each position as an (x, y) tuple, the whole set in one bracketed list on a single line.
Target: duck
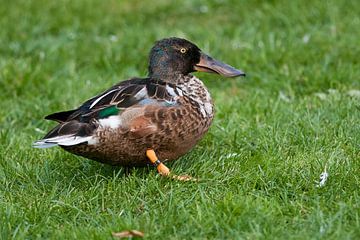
[(144, 121)]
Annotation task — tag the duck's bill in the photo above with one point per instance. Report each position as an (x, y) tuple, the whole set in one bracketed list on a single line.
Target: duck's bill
[(208, 64)]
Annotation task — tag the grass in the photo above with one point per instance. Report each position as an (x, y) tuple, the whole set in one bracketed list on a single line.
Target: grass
[(275, 131)]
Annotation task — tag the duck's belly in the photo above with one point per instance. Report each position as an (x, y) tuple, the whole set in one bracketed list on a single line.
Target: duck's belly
[(178, 130)]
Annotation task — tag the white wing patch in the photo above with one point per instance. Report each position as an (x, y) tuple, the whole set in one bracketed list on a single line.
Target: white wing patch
[(111, 122)]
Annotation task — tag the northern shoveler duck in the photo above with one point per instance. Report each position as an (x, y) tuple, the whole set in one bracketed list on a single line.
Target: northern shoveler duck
[(139, 120)]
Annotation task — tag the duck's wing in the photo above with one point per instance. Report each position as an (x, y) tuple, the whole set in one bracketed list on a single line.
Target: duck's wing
[(122, 104), (121, 96)]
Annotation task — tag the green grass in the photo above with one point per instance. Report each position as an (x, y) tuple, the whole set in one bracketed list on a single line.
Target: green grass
[(274, 131)]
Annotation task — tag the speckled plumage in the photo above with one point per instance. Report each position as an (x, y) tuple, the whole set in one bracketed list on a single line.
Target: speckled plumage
[(174, 130), (168, 112)]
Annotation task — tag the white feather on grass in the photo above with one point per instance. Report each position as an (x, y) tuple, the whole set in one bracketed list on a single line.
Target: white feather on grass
[(323, 178)]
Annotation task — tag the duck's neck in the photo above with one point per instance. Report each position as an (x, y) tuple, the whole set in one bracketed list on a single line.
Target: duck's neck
[(171, 77)]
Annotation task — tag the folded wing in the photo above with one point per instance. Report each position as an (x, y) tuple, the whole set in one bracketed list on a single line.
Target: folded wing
[(119, 106)]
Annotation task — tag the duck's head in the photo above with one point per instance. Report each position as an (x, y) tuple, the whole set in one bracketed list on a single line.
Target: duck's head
[(174, 56)]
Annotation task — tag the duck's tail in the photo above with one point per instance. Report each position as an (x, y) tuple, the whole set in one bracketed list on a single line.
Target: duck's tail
[(66, 140), (68, 134)]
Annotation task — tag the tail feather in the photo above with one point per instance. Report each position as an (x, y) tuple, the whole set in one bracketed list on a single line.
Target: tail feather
[(68, 134), (65, 140), (43, 144), (60, 116)]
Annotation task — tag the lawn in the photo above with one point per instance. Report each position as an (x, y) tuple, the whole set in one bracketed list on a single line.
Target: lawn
[(296, 115)]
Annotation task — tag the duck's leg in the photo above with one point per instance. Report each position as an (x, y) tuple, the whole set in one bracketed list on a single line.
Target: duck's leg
[(162, 169)]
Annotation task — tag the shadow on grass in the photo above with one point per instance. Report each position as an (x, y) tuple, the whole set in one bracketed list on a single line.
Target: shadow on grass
[(73, 170)]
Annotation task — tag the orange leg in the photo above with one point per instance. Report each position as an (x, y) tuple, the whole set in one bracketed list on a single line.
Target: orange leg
[(162, 169)]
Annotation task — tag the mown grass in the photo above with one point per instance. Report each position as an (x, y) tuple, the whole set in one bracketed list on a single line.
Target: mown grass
[(275, 131)]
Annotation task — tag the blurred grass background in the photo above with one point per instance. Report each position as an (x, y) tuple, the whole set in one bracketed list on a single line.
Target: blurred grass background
[(295, 114)]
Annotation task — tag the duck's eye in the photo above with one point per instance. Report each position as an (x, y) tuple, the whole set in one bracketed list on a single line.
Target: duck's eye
[(183, 50)]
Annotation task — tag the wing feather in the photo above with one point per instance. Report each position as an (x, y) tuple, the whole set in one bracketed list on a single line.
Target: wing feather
[(77, 126), (122, 95)]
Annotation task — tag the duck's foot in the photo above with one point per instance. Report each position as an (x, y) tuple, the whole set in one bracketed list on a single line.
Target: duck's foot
[(163, 170)]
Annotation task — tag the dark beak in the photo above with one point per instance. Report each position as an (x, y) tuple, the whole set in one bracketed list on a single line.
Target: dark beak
[(208, 64)]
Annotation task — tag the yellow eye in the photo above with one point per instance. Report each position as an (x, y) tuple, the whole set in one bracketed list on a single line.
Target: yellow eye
[(183, 50)]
